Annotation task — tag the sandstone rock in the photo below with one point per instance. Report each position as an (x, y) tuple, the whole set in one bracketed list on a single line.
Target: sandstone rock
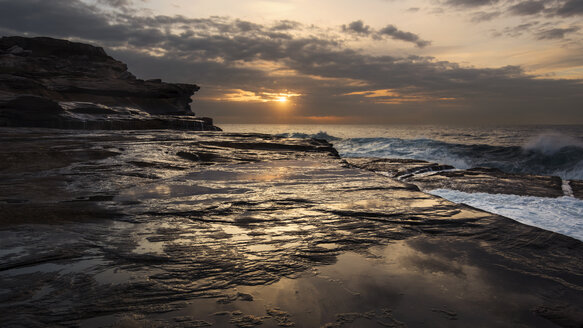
[(221, 225), (577, 187), (59, 73), (429, 176)]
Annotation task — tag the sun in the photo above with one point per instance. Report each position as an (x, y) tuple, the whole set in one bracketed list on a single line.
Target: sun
[(282, 99)]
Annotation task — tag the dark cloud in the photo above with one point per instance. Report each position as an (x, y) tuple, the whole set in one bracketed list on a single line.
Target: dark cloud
[(59, 18), (547, 8), (540, 31), (571, 8), (116, 3), (527, 8), (397, 34), (357, 27), (484, 16), (221, 54), (360, 29), (285, 25), (470, 3), (518, 30), (555, 33), (244, 26)]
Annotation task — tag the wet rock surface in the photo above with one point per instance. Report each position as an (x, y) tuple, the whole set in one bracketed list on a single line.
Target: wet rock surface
[(168, 228), (429, 176), (54, 83), (577, 188)]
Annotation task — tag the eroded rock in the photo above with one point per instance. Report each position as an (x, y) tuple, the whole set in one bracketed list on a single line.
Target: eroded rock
[(47, 82), (429, 176), (265, 222)]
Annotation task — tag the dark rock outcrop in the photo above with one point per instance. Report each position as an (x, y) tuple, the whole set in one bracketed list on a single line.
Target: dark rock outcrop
[(164, 223), (429, 176), (55, 83), (577, 188)]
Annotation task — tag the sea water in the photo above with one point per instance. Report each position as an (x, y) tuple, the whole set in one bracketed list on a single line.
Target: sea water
[(543, 150), (562, 214)]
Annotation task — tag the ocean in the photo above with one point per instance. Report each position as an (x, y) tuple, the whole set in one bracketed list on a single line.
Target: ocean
[(542, 150)]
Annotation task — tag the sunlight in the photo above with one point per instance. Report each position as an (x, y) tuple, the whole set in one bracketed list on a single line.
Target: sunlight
[(281, 97), (240, 95), (390, 96)]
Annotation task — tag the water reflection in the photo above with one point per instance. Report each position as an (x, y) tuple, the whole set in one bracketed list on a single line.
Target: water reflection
[(296, 238), (397, 285)]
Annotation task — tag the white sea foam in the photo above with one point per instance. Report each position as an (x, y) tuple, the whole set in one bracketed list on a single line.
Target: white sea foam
[(563, 215), (567, 190), (573, 173), (423, 149), (551, 143), (545, 155), (522, 149)]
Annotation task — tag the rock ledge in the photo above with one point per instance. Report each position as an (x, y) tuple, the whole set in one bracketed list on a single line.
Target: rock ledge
[(54, 83)]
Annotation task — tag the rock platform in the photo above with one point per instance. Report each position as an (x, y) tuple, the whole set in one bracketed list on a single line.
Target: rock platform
[(170, 228)]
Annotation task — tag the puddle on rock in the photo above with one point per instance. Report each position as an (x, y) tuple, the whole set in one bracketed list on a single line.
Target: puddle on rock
[(398, 285), (263, 234)]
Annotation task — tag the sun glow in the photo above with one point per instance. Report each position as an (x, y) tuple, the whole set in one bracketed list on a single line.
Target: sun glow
[(240, 95)]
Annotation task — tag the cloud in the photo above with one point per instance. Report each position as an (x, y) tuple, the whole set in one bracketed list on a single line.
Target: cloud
[(285, 25), (518, 30), (357, 27), (224, 54), (571, 8), (360, 29), (116, 3), (555, 33), (59, 18), (548, 8), (397, 34), (484, 16), (540, 31), (470, 3), (528, 8)]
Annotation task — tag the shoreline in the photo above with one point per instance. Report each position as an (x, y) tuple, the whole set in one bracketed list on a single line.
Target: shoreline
[(178, 227)]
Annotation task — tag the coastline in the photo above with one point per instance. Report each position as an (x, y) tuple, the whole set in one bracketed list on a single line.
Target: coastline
[(54, 83), (169, 227)]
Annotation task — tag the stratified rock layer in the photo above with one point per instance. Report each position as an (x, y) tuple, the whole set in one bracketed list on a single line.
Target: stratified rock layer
[(55, 83), (164, 228), (429, 176)]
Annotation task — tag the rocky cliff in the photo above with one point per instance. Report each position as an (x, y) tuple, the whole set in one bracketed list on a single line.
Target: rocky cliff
[(57, 83)]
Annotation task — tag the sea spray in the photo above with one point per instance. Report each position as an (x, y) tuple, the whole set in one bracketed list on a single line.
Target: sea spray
[(552, 143), (548, 154), (545, 150), (562, 214)]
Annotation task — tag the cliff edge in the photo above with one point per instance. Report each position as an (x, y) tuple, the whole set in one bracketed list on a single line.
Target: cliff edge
[(48, 82)]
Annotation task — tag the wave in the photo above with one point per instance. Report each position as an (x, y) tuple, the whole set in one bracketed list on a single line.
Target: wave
[(551, 143), (562, 214), (319, 135), (548, 154)]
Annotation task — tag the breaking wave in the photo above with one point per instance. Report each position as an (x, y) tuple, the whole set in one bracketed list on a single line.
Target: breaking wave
[(547, 154), (562, 214), (319, 135), (550, 144)]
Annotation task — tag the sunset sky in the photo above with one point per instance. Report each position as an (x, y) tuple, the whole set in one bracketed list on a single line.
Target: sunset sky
[(367, 61)]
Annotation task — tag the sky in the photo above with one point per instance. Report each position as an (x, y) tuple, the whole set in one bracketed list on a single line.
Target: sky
[(368, 61)]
